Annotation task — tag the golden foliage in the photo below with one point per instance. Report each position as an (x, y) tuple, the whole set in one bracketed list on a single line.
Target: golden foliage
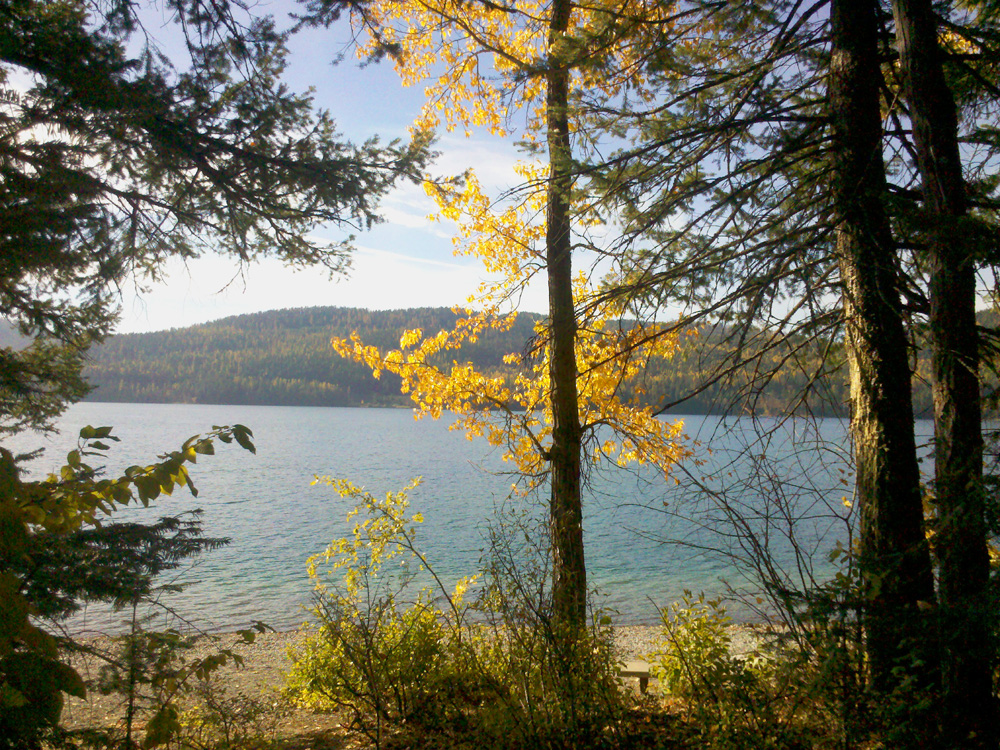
[(480, 61), (515, 413)]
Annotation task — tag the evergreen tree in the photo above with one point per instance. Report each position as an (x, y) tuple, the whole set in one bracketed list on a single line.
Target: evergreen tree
[(756, 195), (114, 158), (895, 560), (54, 552), (950, 242)]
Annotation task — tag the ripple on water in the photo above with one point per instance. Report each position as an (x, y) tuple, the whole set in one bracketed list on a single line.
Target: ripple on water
[(276, 520)]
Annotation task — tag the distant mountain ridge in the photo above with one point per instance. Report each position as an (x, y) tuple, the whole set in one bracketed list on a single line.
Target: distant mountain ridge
[(284, 357), (279, 357)]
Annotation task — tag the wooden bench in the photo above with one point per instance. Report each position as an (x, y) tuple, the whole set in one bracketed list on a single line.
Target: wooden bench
[(638, 669)]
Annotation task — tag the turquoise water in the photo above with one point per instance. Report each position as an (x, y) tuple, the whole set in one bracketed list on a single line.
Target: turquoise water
[(276, 519)]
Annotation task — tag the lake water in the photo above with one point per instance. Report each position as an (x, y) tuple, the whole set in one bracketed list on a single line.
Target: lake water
[(265, 503)]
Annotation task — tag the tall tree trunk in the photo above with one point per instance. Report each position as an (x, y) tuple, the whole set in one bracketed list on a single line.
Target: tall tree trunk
[(569, 588), (895, 560), (960, 542)]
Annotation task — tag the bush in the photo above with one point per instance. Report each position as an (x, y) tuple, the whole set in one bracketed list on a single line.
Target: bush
[(156, 673), (56, 553), (219, 721), (767, 699), (385, 660), (494, 672), (549, 688), (695, 660), (386, 667)]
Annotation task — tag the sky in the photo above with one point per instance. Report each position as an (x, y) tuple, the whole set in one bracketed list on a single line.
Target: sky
[(407, 261)]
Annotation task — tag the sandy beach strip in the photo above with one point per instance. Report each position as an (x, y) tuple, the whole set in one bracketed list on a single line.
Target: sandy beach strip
[(267, 661)]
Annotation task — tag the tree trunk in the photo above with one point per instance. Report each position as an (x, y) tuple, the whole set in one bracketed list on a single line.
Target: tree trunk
[(569, 587), (960, 542), (895, 560)]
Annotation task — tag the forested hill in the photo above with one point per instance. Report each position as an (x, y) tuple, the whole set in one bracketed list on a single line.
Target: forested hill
[(280, 357), (283, 357)]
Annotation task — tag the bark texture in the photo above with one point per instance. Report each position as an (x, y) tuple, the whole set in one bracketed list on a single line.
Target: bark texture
[(569, 588), (895, 558), (960, 543)]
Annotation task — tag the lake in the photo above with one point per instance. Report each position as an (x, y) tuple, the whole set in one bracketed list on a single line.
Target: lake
[(265, 503)]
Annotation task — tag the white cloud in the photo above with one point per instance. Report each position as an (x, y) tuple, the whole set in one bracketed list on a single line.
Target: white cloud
[(398, 214), (406, 261), (493, 160)]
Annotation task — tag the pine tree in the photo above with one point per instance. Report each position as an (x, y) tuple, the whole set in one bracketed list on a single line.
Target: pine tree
[(756, 198), (113, 158), (951, 238), (895, 563)]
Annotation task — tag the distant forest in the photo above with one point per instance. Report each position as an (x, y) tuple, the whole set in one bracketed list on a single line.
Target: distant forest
[(283, 357)]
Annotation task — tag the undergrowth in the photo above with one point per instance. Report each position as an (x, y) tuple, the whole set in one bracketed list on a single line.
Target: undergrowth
[(411, 661), (405, 661)]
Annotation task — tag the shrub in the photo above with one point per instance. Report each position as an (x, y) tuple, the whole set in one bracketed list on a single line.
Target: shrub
[(219, 721), (494, 672), (155, 671), (695, 657), (549, 688), (767, 699), (384, 659)]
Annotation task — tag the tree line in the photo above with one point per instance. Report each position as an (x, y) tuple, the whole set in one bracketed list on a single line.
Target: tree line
[(283, 357)]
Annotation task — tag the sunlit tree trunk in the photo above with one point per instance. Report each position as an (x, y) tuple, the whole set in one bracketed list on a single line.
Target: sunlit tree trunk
[(961, 535), (895, 560), (569, 587)]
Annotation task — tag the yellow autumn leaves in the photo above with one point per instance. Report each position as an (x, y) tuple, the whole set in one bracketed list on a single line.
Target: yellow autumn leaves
[(481, 62), (514, 413)]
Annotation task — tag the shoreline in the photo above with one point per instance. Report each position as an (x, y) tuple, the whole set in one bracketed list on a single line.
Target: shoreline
[(266, 662)]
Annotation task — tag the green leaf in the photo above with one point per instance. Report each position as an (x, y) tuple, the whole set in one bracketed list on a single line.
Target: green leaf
[(204, 447), (11, 697), (244, 437), (120, 493), (69, 680), (250, 634), (162, 727), (148, 487), (13, 607), (14, 538)]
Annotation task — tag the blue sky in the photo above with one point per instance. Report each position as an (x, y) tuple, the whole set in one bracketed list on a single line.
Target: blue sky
[(405, 262)]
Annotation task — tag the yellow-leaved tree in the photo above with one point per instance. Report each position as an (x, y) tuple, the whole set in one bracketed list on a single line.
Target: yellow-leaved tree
[(481, 62)]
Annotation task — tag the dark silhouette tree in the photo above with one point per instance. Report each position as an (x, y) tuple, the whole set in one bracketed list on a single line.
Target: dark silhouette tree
[(115, 158)]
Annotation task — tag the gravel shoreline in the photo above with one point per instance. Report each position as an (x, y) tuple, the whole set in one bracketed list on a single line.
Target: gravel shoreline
[(266, 663)]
